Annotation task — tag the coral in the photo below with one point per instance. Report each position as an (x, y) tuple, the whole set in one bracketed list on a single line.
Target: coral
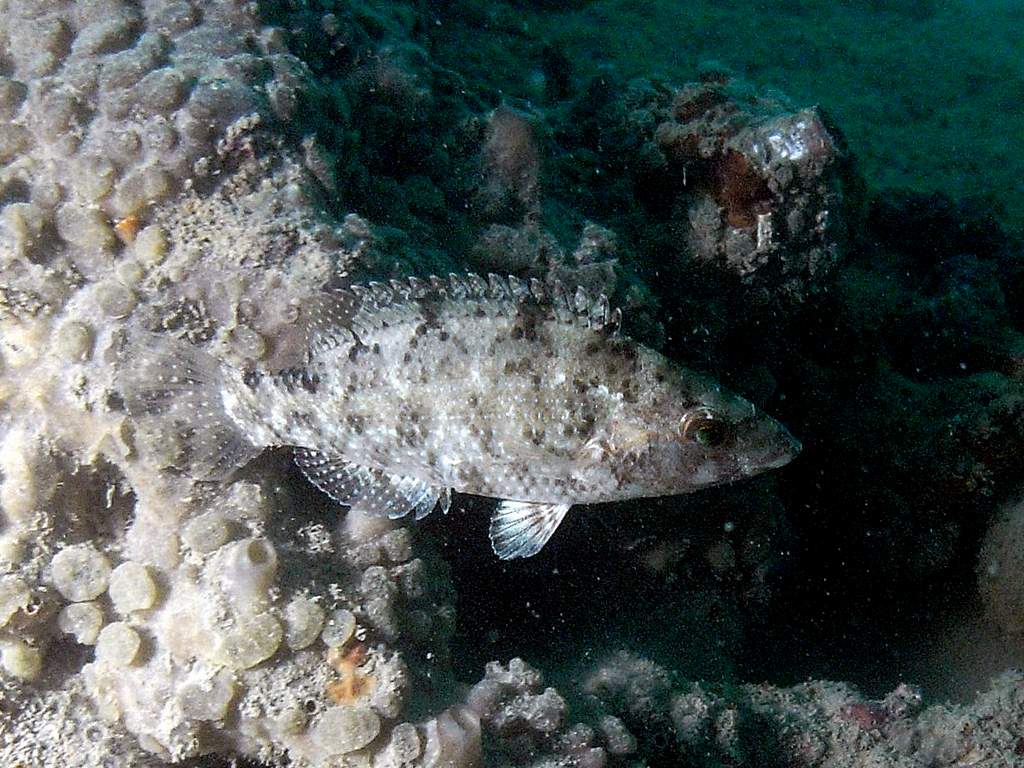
[(812, 724), (728, 179), (524, 722), (510, 167), (134, 107), (149, 188)]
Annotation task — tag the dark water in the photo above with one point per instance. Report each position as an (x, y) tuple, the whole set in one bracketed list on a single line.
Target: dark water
[(928, 91)]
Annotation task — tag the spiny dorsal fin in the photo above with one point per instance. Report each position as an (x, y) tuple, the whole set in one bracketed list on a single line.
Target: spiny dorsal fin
[(522, 528), (361, 310), (328, 320)]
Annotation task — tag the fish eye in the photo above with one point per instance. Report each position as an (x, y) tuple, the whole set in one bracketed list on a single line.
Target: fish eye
[(711, 434), (704, 429)]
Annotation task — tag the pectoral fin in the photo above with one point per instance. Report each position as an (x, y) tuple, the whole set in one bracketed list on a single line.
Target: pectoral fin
[(522, 528)]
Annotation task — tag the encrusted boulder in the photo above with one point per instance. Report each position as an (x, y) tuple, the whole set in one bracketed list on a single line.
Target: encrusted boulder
[(756, 188)]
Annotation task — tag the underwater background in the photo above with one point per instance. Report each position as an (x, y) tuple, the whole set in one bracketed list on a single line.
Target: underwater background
[(817, 204)]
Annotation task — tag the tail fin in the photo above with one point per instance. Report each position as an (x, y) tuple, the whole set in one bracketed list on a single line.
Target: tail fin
[(179, 389)]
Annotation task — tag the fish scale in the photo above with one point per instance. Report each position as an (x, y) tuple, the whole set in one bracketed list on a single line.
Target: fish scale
[(493, 386)]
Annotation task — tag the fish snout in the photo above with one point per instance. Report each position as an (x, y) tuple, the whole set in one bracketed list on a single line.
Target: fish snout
[(788, 449), (770, 446)]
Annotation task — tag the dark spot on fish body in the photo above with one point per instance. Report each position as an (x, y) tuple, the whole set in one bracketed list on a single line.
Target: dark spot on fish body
[(622, 348), (473, 401), (536, 381), (526, 323), (355, 350), (470, 476), (527, 481), (522, 366), (252, 378), (499, 338), (443, 336), (585, 425), (431, 319), (309, 381), (409, 435), (520, 471), (621, 471), (577, 487), (301, 418), (534, 434), (356, 422), (407, 358), (293, 378), (376, 349)]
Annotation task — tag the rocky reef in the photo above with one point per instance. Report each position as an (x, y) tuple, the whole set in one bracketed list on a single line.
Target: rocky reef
[(200, 170)]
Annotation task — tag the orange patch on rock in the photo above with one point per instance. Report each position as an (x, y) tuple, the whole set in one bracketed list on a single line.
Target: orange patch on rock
[(352, 684), (127, 229)]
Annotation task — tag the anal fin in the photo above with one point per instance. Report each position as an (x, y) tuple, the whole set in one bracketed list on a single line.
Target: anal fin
[(522, 528), (370, 491)]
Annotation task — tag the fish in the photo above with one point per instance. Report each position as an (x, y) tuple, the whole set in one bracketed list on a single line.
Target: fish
[(520, 390)]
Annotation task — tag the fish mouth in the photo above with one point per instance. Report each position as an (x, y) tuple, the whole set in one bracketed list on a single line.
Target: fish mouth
[(777, 450), (784, 457), (787, 449)]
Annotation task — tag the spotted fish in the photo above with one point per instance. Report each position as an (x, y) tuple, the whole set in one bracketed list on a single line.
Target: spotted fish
[(500, 387)]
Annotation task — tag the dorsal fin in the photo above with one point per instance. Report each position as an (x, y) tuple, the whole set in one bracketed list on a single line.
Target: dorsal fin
[(359, 311), (328, 320)]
